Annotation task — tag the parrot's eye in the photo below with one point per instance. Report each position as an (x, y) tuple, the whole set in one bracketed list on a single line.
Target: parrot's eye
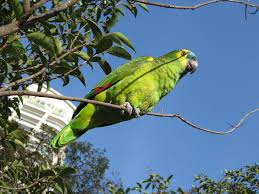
[(183, 53)]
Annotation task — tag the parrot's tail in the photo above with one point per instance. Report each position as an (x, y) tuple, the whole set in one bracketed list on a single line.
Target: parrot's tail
[(65, 136)]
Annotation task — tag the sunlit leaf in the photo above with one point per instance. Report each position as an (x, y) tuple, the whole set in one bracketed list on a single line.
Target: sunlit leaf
[(58, 45), (143, 6), (123, 39), (119, 52), (82, 55), (43, 40), (18, 8)]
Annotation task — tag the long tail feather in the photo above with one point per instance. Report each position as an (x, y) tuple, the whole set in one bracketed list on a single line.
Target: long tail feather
[(65, 136)]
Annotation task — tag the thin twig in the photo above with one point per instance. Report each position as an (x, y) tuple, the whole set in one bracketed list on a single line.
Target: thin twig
[(67, 73), (197, 6), (114, 106), (25, 69), (233, 128), (76, 37), (70, 71)]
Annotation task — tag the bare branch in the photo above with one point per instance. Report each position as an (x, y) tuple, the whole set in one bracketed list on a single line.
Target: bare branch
[(46, 95), (197, 6), (114, 106), (233, 128), (16, 25)]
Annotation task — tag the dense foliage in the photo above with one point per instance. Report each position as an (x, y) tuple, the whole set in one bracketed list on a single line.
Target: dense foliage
[(41, 41), (242, 181), (33, 167)]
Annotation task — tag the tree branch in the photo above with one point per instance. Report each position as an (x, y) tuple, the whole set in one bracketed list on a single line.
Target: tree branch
[(119, 107), (16, 25), (233, 128), (26, 6), (59, 97), (197, 6)]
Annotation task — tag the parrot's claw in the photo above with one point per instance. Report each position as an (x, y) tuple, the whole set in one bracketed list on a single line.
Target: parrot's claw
[(136, 112), (128, 109)]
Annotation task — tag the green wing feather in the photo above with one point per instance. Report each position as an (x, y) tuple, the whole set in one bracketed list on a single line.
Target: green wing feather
[(73, 130), (114, 77)]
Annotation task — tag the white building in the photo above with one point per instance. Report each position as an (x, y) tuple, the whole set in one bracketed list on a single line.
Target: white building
[(36, 111)]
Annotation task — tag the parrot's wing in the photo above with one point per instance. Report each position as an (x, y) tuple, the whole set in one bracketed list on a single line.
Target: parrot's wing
[(114, 77)]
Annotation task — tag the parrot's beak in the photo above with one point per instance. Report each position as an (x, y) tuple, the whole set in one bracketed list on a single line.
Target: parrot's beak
[(192, 65)]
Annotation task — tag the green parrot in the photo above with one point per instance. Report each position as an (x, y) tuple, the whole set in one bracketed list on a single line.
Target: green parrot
[(138, 85)]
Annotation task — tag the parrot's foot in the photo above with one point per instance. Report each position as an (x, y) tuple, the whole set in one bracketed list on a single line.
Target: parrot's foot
[(136, 112), (128, 109)]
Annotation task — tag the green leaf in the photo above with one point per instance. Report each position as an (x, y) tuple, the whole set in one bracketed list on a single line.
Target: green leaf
[(43, 40), (58, 45), (132, 9), (11, 37), (113, 20), (47, 173), (67, 171), (17, 134), (82, 55), (123, 39), (59, 184), (18, 8), (20, 143), (65, 80), (104, 44), (139, 185), (95, 29), (105, 66), (147, 186), (169, 178), (15, 49), (143, 6), (61, 68), (119, 52), (87, 35), (98, 14), (80, 76), (119, 11)]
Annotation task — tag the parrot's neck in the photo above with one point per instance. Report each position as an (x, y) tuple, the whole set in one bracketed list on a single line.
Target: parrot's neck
[(170, 72)]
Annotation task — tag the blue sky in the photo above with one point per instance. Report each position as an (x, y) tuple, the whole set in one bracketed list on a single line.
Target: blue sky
[(225, 86)]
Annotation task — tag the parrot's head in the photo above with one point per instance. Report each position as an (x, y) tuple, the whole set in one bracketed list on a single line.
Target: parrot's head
[(191, 60), (186, 60)]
